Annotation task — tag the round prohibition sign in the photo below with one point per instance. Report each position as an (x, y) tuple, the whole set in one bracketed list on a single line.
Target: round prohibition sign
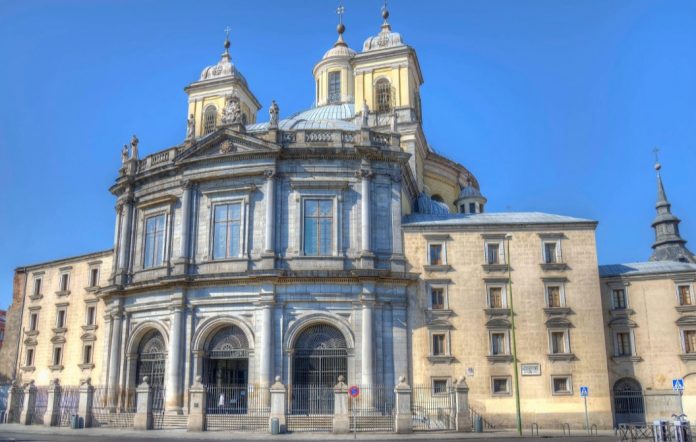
[(354, 391)]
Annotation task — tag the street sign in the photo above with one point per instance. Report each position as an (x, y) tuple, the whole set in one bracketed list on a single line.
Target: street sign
[(584, 391), (354, 391), (677, 384)]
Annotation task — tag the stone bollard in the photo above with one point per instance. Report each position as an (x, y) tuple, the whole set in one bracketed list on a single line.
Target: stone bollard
[(52, 415), (341, 419), (279, 398), (29, 403), (143, 414), (84, 407), (463, 418), (14, 405), (197, 406), (403, 418)]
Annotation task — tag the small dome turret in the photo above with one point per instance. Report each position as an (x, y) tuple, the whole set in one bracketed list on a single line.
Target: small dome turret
[(470, 199), (386, 37), (334, 74)]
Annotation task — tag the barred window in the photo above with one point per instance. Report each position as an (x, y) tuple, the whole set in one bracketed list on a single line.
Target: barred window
[(684, 295), (440, 386), (228, 222), (154, 241), (318, 227), (500, 385), (209, 120), (562, 385), (383, 95), (619, 298), (334, 87)]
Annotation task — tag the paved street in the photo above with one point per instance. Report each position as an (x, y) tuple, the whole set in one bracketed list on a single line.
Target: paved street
[(15, 432)]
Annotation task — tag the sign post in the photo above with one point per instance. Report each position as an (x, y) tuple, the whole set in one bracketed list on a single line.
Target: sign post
[(678, 385), (584, 392), (354, 391)]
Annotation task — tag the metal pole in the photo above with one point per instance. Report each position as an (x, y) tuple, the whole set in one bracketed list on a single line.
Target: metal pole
[(681, 403), (514, 342), (587, 419)]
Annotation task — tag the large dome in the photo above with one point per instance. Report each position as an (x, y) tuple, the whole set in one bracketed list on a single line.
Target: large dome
[(331, 116)]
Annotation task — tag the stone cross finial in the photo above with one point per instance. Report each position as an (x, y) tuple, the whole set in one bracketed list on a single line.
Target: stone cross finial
[(134, 147)]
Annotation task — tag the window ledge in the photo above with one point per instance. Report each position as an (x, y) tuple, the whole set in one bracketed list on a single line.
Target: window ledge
[(62, 292), (686, 308), (28, 368), (439, 313), (557, 310), (91, 327), (622, 312), (505, 394), (688, 356), (561, 356), (58, 367), (86, 366), (31, 332), (554, 266), (443, 359), (495, 267), (620, 359), (437, 268), (60, 330), (497, 311), (499, 358), (36, 297), (92, 288), (562, 393)]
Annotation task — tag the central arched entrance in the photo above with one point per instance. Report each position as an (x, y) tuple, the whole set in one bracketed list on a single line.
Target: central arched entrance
[(629, 406), (226, 367), (152, 359)]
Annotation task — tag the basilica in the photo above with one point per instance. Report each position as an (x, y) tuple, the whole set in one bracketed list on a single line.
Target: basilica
[(336, 242)]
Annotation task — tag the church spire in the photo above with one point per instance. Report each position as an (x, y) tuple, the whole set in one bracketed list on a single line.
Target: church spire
[(668, 245)]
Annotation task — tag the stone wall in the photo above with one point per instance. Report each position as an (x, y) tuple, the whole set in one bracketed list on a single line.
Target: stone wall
[(8, 352)]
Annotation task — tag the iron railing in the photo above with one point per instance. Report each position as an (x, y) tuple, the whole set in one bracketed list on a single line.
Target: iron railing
[(372, 409), (433, 410), (106, 415), (243, 407), (69, 401), (310, 408), (37, 417)]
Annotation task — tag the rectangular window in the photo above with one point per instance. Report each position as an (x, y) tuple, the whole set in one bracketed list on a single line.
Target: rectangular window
[(437, 298), (500, 385), (87, 354), (334, 87), (493, 253), (561, 385), (94, 277), (439, 345), (30, 357), (228, 224), (684, 295), (57, 355), (91, 315), (623, 344), (154, 241), (553, 296), (436, 255), (472, 207), (37, 286), (318, 227), (495, 297), (618, 297), (690, 341), (551, 253), (33, 321), (498, 343), (64, 278), (60, 319), (440, 386), (558, 342)]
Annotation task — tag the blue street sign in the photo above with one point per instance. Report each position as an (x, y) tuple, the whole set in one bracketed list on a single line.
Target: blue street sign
[(354, 391), (584, 391), (677, 384)]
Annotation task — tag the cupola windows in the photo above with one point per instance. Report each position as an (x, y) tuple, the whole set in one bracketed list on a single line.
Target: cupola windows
[(209, 120), (334, 87), (383, 95)]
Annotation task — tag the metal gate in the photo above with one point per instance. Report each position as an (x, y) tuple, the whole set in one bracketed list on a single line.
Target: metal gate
[(433, 410), (103, 415), (69, 400), (152, 358), (37, 417), (629, 407), (373, 409), (310, 408), (158, 405), (237, 407), (15, 408)]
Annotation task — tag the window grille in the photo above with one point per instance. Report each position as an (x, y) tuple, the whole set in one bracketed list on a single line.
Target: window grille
[(501, 386), (209, 120), (440, 386), (318, 227), (229, 343), (151, 358), (383, 94), (334, 87), (320, 356), (561, 385)]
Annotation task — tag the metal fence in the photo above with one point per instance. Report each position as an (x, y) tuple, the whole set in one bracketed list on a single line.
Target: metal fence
[(310, 408), (69, 400), (237, 407), (373, 409), (158, 402), (17, 403), (104, 415), (37, 417), (433, 410)]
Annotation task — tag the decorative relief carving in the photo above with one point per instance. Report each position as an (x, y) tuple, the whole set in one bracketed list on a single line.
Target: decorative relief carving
[(288, 137), (364, 173), (269, 173), (226, 147)]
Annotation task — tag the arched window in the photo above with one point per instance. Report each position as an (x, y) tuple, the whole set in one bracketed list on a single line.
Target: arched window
[(383, 95), (334, 87), (437, 198), (209, 120), (152, 358)]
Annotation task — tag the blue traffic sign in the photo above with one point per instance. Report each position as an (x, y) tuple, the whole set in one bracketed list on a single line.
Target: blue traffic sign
[(584, 391), (354, 391), (677, 384)]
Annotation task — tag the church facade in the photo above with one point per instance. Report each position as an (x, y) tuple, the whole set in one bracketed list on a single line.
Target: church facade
[(331, 243)]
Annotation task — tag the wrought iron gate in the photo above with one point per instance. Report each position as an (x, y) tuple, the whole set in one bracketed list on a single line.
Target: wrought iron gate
[(310, 408), (433, 410), (37, 417), (15, 408), (629, 407), (152, 358), (103, 415), (373, 409), (237, 407), (69, 400)]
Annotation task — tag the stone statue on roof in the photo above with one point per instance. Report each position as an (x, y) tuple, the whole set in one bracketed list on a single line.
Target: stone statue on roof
[(134, 147), (124, 153), (190, 127), (273, 114)]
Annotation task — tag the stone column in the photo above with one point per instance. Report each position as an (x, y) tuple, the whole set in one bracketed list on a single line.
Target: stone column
[(84, 407), (403, 418), (463, 418), (341, 418), (114, 359), (29, 403), (124, 241), (52, 414), (367, 337), (143, 414), (266, 337), (367, 256), (183, 258), (269, 238), (279, 398), (173, 404), (197, 410)]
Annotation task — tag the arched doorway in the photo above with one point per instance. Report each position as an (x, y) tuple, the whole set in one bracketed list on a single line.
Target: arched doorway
[(226, 367), (152, 359), (629, 406)]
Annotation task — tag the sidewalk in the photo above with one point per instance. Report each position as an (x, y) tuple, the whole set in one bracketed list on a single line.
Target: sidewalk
[(107, 433)]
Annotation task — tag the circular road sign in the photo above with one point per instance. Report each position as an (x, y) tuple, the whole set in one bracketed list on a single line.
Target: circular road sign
[(354, 391)]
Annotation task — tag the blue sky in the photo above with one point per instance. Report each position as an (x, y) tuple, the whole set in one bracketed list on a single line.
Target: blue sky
[(554, 105)]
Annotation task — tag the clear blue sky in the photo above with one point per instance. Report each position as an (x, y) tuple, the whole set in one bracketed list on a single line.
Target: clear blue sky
[(554, 105)]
